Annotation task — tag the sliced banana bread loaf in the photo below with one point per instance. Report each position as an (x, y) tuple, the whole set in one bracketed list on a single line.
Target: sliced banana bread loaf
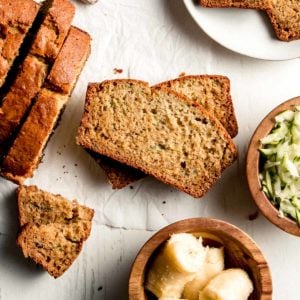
[(53, 229), (25, 153), (34, 70), (16, 18), (158, 131)]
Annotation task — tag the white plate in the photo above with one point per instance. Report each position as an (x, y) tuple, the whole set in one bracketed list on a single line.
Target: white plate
[(244, 31)]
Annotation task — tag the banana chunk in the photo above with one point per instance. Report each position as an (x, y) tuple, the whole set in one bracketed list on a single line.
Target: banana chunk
[(213, 264), (230, 284), (176, 264)]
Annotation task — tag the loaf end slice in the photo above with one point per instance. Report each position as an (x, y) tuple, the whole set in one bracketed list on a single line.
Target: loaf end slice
[(210, 91), (40, 207), (157, 131), (54, 246)]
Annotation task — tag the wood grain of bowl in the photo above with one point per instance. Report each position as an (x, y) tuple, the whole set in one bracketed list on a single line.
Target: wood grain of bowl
[(252, 170), (240, 251)]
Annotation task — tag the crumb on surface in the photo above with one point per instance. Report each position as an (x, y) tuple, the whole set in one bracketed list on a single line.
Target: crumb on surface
[(118, 71), (182, 74), (253, 216), (100, 288), (131, 187), (164, 202)]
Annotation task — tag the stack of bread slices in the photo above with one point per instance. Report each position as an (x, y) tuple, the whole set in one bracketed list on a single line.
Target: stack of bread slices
[(179, 131), (41, 57)]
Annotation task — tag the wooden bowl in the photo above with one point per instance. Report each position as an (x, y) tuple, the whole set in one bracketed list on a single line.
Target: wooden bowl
[(252, 171), (240, 251)]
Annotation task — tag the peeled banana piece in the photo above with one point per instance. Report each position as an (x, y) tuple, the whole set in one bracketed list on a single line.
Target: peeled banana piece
[(176, 264), (230, 284), (213, 264)]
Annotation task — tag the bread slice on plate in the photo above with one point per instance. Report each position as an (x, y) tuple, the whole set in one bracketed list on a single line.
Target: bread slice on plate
[(157, 131), (16, 18), (26, 151), (210, 91), (53, 229), (285, 18), (283, 14)]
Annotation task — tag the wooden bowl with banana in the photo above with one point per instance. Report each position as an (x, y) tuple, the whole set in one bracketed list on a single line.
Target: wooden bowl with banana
[(200, 258)]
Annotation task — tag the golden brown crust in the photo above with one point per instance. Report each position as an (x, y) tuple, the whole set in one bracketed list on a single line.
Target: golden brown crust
[(257, 4), (132, 160), (20, 96), (68, 64), (54, 29), (26, 151), (24, 155), (16, 18)]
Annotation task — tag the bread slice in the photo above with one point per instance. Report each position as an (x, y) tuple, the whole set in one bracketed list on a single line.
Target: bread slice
[(19, 98), (53, 30), (16, 18), (41, 207), (285, 18), (283, 14), (26, 151), (255, 4), (34, 70), (210, 91), (157, 131), (53, 229)]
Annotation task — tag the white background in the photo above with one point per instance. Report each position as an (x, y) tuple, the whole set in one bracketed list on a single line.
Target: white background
[(151, 40)]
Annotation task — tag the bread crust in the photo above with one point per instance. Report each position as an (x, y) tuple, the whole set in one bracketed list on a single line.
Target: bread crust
[(53, 30), (16, 18), (197, 191), (26, 151)]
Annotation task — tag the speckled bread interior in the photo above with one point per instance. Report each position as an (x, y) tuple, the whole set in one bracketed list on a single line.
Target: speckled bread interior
[(53, 229), (157, 131)]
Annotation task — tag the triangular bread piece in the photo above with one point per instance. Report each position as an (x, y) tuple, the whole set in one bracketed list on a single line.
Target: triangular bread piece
[(53, 228), (157, 131)]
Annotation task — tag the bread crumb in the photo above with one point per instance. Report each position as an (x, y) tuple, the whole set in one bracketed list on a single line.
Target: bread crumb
[(182, 74), (100, 288), (118, 71), (253, 216)]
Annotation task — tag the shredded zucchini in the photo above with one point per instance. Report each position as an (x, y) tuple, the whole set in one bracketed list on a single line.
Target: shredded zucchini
[(280, 174)]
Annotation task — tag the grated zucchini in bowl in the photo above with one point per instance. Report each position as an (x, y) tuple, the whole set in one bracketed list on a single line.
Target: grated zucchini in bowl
[(280, 164)]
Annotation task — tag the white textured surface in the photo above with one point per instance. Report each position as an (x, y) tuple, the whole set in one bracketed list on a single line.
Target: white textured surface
[(151, 40)]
